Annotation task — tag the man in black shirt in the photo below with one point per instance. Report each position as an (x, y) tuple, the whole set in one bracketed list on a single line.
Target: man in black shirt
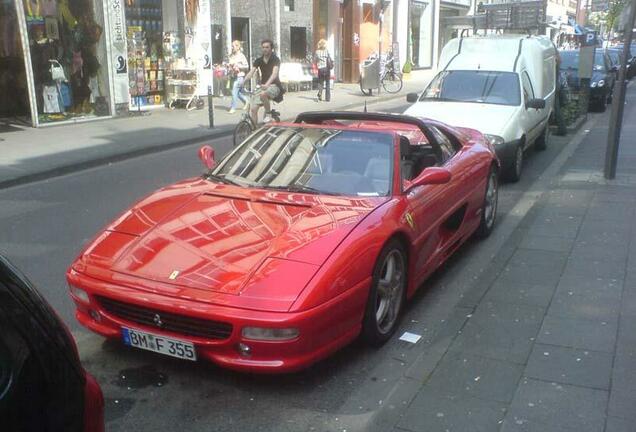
[(268, 65)]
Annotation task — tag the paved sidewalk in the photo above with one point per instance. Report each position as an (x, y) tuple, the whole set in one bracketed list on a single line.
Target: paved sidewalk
[(545, 340), (28, 154)]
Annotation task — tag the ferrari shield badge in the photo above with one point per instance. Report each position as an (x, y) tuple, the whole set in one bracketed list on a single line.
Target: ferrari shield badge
[(409, 220), (173, 275)]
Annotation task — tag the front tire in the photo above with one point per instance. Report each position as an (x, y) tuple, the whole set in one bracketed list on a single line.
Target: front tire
[(489, 206), (515, 166), (387, 294), (242, 131)]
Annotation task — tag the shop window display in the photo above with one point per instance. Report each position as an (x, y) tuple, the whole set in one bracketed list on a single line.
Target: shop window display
[(63, 42), (14, 98), (145, 58)]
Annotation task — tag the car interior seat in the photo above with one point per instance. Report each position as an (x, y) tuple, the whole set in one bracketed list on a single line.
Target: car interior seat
[(406, 162)]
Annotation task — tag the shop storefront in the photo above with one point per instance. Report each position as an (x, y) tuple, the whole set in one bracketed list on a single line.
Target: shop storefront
[(77, 60), (450, 10), (421, 31), (169, 52), (54, 61)]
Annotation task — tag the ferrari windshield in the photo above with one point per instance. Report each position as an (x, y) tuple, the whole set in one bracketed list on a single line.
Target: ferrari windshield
[(312, 160), (500, 88)]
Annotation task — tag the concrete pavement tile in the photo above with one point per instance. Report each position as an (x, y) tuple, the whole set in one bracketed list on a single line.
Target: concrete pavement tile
[(534, 267), (556, 226), (550, 211), (609, 211), (602, 238), (621, 228), (462, 375), (625, 357), (622, 404), (579, 256), (523, 425), (500, 331), (539, 259), (595, 269), (392, 409), (424, 365), (547, 243), (569, 198), (626, 332), (595, 335), (592, 288), (623, 378), (603, 248), (628, 302), (434, 411), (578, 306), (617, 424), (570, 366), (505, 291), (560, 405)]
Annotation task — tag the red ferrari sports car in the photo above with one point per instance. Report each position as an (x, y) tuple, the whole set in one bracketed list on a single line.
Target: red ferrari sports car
[(303, 237)]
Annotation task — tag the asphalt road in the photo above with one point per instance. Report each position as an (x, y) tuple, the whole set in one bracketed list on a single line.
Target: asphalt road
[(45, 224)]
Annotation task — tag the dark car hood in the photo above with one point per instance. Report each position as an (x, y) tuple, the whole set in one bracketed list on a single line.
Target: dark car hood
[(572, 76), (217, 237)]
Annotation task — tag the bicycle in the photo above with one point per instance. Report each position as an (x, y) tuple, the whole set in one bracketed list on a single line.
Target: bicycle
[(390, 79), (246, 125)]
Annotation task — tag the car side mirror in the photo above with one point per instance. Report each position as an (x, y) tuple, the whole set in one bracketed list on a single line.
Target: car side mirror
[(206, 154), (429, 176), (536, 103), (411, 97)]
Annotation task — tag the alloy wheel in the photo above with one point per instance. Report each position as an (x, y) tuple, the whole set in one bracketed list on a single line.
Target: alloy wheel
[(490, 204), (390, 291)]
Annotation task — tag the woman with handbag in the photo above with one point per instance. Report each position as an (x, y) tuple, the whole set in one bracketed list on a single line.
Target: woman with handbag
[(324, 63), (238, 65)]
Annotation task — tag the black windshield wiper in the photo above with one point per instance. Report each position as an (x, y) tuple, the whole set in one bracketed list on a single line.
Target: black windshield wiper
[(300, 188), (221, 179)]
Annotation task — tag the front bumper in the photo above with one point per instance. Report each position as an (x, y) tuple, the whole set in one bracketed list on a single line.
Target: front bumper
[(598, 94), (506, 153), (322, 330)]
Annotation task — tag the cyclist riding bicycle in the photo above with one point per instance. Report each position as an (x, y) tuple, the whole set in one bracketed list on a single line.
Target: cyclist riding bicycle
[(271, 88)]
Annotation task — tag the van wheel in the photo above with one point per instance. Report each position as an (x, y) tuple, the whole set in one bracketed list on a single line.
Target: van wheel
[(541, 142), (515, 166)]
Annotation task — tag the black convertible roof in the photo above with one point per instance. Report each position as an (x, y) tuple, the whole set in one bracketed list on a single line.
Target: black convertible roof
[(316, 117)]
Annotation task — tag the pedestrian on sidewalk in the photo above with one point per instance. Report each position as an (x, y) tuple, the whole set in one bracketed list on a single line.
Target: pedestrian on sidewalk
[(238, 66), (324, 63)]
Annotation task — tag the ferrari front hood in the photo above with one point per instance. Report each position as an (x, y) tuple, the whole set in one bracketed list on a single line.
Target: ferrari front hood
[(220, 242)]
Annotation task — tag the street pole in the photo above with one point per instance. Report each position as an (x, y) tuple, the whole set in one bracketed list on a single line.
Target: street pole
[(228, 27), (618, 102), (380, 19), (277, 25), (210, 108)]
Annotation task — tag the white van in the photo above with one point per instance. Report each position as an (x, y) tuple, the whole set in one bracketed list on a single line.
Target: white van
[(501, 85)]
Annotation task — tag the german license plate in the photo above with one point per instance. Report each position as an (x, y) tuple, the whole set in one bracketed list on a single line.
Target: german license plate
[(159, 344)]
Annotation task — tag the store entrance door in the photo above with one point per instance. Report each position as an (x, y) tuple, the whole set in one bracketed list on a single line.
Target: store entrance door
[(241, 31), (14, 93), (350, 11)]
